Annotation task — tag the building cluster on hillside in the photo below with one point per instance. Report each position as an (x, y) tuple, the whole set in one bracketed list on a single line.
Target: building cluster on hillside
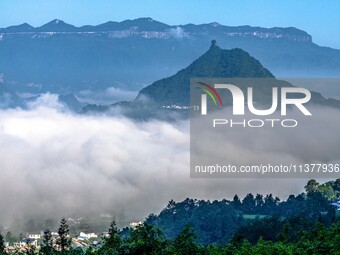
[(34, 240), (336, 204), (86, 236), (176, 107), (134, 224), (31, 239), (83, 239)]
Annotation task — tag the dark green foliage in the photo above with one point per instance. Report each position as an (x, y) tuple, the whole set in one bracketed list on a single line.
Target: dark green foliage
[(184, 243), (236, 203), (330, 190), (47, 243), (302, 225), (63, 241), (2, 245), (10, 238), (148, 240), (218, 221), (112, 242), (311, 186), (144, 240), (212, 221), (248, 204)]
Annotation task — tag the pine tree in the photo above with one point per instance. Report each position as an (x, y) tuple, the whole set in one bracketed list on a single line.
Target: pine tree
[(113, 241), (184, 243), (286, 233), (2, 245), (10, 238), (47, 243), (236, 202), (63, 241), (312, 186)]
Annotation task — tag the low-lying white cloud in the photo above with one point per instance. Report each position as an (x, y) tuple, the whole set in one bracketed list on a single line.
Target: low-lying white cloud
[(54, 163), (178, 32), (105, 97)]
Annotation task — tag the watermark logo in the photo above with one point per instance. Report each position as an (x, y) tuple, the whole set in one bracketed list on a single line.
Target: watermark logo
[(248, 98), (239, 99), (212, 92), (262, 127)]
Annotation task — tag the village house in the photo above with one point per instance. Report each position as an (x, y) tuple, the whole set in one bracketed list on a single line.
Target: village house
[(86, 236)]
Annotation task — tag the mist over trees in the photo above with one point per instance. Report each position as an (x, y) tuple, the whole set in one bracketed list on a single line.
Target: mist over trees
[(303, 224)]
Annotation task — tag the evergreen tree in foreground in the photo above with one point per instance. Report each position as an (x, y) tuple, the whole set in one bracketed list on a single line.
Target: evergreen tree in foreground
[(47, 243), (184, 243), (112, 242), (63, 241), (2, 245)]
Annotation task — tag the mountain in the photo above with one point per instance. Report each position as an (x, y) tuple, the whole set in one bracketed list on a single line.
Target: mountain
[(56, 26), (164, 94), (146, 24), (71, 102), (20, 28), (220, 63), (61, 58), (215, 63)]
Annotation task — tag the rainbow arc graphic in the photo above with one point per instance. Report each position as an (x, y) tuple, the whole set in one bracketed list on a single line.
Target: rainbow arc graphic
[(211, 91)]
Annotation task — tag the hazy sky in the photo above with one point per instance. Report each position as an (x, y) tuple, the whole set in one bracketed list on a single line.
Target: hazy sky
[(318, 18)]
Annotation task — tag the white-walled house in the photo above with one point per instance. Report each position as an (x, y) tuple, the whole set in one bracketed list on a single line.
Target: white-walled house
[(26, 241), (34, 236), (54, 232), (135, 224), (105, 234), (85, 236), (336, 205)]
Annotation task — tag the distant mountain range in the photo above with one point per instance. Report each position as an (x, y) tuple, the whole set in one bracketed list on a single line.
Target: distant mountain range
[(136, 26), (62, 58)]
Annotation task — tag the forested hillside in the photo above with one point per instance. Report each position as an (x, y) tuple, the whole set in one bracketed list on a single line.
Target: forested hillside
[(302, 224)]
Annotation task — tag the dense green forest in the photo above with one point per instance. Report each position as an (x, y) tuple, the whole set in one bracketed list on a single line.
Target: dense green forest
[(218, 221), (303, 224)]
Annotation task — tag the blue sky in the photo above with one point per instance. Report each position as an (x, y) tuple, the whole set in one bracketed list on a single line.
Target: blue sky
[(319, 18)]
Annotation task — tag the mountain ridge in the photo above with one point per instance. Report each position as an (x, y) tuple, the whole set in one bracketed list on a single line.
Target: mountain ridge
[(60, 58), (146, 24)]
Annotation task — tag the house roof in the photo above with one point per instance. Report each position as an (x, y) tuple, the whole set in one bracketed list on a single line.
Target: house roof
[(27, 240)]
